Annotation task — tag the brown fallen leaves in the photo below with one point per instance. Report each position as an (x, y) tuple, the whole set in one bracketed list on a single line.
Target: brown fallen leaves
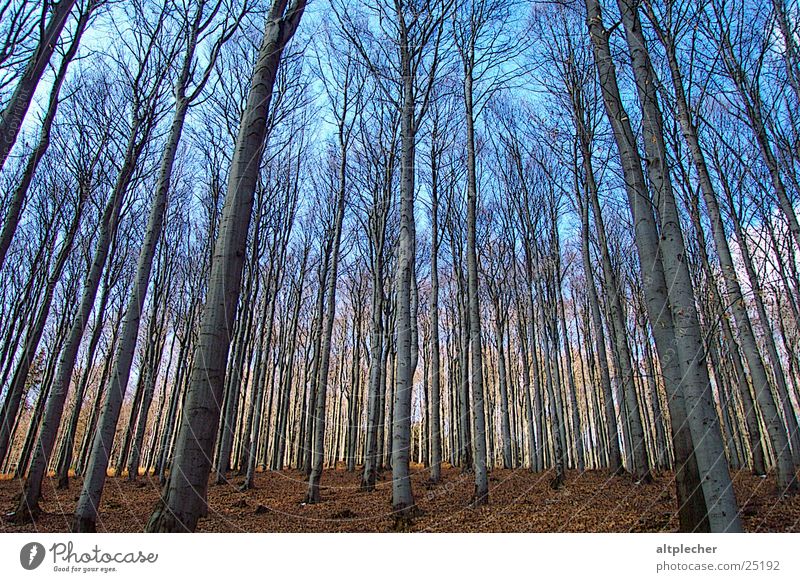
[(519, 501)]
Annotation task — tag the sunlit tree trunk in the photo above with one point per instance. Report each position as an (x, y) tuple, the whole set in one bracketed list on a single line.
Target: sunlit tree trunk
[(481, 495), (703, 422), (184, 498)]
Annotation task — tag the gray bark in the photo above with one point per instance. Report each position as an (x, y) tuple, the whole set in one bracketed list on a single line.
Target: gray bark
[(402, 497), (318, 451), (12, 214), (86, 510), (435, 364), (734, 298), (703, 422), (184, 499), (17, 106), (481, 495)]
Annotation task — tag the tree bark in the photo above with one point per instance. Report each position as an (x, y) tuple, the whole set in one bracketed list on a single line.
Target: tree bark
[(184, 499), (703, 423), (17, 106), (318, 454), (481, 495)]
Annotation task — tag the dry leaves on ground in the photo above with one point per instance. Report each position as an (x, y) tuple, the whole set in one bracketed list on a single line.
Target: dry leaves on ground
[(520, 501)]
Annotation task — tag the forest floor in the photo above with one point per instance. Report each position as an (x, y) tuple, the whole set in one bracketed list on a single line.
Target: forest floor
[(520, 501)]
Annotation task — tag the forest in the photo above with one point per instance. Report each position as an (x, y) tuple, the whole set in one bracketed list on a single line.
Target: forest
[(399, 265)]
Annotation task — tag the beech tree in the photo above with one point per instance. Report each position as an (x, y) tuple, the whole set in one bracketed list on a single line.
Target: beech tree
[(184, 498), (194, 27), (345, 96), (146, 91), (714, 476), (443, 241), (50, 23)]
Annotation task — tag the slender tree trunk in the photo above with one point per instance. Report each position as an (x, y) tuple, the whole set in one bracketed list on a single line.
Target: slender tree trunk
[(252, 431), (184, 499), (481, 495), (777, 430), (28, 505), (17, 106), (619, 328), (91, 424), (65, 452), (734, 292), (505, 421), (312, 495), (15, 205), (577, 432), (86, 510), (615, 457), (402, 496), (553, 382), (15, 391), (703, 423), (156, 337), (308, 439)]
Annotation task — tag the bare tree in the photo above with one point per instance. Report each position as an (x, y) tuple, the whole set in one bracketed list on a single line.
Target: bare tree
[(146, 93), (184, 500), (345, 100), (702, 418), (12, 215), (195, 26), (52, 20)]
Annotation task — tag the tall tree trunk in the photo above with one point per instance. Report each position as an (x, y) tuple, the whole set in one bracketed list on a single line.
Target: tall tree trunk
[(28, 506), (19, 379), (17, 106), (318, 454), (402, 496), (481, 495), (502, 376), (369, 477), (88, 435), (577, 428), (280, 443), (86, 510), (184, 498), (65, 452), (619, 330), (156, 337), (435, 349), (733, 290), (553, 382), (703, 423), (614, 455)]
